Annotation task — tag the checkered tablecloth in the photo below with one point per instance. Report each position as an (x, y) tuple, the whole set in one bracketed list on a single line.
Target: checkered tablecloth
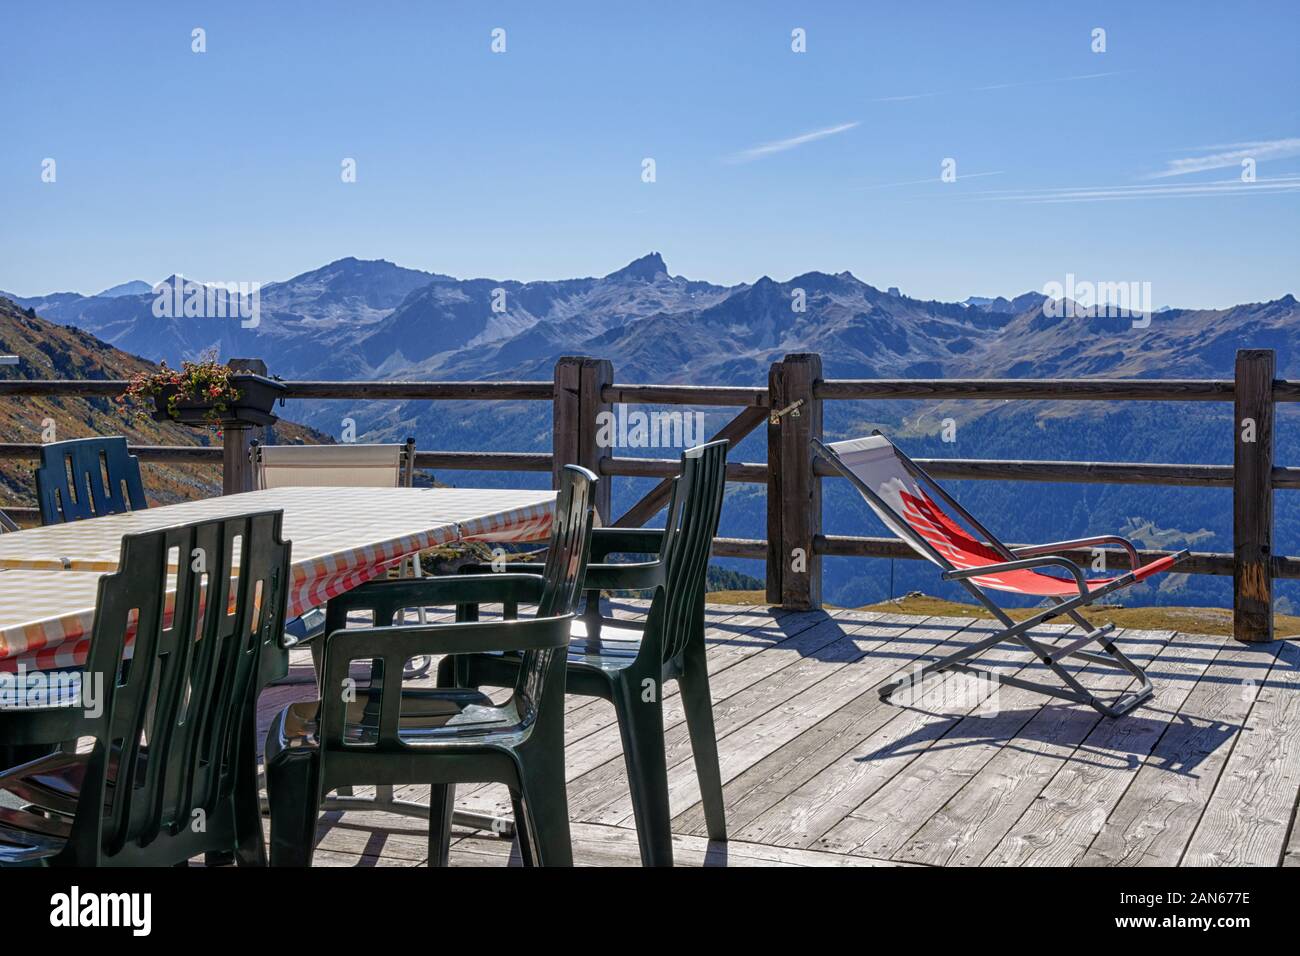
[(342, 537)]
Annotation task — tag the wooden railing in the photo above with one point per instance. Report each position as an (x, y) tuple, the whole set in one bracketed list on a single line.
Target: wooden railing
[(791, 407)]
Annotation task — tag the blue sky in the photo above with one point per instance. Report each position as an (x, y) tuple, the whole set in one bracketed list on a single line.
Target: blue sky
[(225, 165)]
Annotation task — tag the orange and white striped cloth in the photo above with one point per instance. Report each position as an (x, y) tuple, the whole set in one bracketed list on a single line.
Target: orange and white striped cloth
[(342, 537)]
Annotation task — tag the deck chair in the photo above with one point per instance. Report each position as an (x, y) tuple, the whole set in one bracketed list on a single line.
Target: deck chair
[(899, 492), (86, 478), (334, 466)]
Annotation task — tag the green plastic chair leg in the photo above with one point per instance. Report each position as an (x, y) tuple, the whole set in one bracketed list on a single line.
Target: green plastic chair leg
[(546, 812), (295, 802), (641, 724), (446, 674), (698, 703), (523, 830), (442, 800)]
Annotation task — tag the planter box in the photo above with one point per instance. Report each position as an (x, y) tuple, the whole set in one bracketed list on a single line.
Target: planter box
[(257, 396)]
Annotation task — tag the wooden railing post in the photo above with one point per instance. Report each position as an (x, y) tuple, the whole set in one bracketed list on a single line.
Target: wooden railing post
[(794, 493), (1252, 497), (237, 441), (579, 382)]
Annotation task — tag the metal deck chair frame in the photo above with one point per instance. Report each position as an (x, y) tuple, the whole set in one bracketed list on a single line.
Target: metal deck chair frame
[(1040, 556)]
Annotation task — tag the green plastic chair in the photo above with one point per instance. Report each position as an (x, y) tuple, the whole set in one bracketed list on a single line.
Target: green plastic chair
[(384, 734), (173, 770), (628, 663), (86, 478)]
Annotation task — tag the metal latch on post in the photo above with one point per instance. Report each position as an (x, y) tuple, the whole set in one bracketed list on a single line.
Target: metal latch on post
[(792, 410)]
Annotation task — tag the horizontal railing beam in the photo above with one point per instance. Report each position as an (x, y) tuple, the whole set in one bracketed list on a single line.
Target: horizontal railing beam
[(54, 388), (1198, 562), (683, 395), (484, 460), (755, 548), (744, 471), (1081, 472), (431, 391), (878, 389), (1065, 390), (154, 453)]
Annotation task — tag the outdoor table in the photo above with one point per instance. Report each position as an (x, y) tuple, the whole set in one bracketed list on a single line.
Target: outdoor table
[(341, 538)]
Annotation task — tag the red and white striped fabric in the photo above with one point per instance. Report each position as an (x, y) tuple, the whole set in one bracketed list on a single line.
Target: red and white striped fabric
[(341, 537), (914, 514)]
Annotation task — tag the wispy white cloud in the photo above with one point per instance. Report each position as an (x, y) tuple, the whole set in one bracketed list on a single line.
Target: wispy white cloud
[(1224, 187), (997, 86), (1223, 155), (781, 145), (934, 179)]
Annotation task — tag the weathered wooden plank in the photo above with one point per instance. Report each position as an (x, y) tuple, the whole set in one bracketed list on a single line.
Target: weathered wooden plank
[(602, 794), (485, 460), (426, 391), (1252, 496), (823, 642), (1154, 821), (1254, 805), (1071, 472), (1198, 562), (597, 845), (765, 783), (755, 630), (749, 472), (880, 658), (1060, 825), (972, 822), (794, 490), (1057, 390), (335, 858), (846, 806), (684, 395)]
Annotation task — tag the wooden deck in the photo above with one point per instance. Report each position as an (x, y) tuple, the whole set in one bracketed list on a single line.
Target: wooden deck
[(820, 772)]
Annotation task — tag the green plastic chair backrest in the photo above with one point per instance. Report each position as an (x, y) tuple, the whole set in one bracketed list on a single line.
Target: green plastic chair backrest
[(566, 561), (86, 478), (693, 514), (177, 717)]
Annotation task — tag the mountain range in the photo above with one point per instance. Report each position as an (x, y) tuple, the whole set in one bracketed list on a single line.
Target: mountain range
[(48, 351), (363, 319)]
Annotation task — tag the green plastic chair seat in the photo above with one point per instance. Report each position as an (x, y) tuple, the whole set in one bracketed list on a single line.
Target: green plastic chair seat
[(445, 718), (614, 649)]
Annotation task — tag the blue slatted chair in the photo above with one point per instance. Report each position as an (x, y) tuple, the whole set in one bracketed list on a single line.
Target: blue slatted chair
[(86, 478)]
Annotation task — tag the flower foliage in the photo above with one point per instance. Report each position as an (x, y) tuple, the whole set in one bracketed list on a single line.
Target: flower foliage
[(206, 382)]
